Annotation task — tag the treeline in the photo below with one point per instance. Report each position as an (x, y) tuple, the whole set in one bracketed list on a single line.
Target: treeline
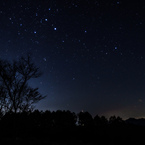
[(65, 127)]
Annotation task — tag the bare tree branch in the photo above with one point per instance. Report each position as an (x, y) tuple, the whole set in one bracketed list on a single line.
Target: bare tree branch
[(15, 93)]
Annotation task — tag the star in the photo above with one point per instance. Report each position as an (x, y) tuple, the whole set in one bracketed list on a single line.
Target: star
[(44, 59), (73, 78)]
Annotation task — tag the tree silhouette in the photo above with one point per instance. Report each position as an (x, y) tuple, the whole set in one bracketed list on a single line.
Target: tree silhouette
[(64, 119), (113, 120), (85, 119), (15, 93), (100, 121)]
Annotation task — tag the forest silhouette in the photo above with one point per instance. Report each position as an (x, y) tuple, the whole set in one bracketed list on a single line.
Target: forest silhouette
[(65, 127), (21, 124)]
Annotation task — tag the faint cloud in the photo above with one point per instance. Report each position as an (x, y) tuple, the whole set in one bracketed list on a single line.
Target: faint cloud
[(140, 100)]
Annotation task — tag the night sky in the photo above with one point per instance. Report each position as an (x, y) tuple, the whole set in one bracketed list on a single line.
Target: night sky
[(91, 52)]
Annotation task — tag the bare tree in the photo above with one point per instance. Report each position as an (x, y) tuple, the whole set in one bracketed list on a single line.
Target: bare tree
[(15, 93)]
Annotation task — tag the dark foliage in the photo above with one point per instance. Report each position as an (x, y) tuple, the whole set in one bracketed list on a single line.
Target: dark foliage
[(85, 119), (61, 127)]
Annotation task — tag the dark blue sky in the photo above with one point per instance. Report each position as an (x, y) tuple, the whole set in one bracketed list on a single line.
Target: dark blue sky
[(91, 52)]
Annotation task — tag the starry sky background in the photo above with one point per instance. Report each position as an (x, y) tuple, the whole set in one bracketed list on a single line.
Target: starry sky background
[(91, 52)]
